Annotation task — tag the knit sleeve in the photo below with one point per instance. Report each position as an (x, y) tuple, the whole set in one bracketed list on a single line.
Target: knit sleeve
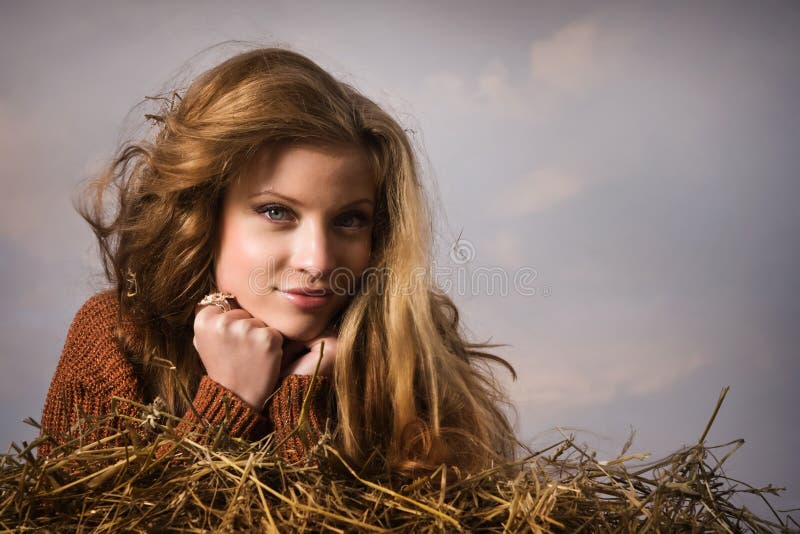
[(214, 404), (284, 409), (90, 372), (93, 370)]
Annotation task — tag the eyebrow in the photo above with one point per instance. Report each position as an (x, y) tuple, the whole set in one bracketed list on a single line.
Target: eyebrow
[(298, 203)]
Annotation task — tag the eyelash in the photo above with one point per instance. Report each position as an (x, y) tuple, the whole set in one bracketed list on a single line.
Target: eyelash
[(363, 218), (264, 209)]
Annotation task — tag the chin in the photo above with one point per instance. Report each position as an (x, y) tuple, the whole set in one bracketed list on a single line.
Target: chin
[(296, 330), (302, 334)]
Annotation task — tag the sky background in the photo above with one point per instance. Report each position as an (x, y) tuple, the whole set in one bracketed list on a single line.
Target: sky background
[(640, 158)]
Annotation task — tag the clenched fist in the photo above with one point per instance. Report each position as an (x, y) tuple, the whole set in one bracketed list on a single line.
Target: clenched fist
[(239, 352)]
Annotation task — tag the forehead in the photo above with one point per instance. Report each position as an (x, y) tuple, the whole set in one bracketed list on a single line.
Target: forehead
[(309, 172)]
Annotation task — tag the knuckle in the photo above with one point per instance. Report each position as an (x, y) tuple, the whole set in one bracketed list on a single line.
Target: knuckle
[(228, 320), (221, 325), (199, 319), (274, 337), (238, 326), (257, 335)]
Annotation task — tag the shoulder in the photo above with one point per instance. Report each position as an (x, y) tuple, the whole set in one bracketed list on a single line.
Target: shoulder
[(91, 339), (99, 308), (92, 369)]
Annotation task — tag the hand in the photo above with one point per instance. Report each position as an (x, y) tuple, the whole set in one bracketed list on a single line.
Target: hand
[(306, 362), (239, 352)]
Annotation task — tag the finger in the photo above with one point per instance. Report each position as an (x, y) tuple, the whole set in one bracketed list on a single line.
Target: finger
[(212, 315), (296, 367), (306, 365), (253, 321), (329, 341), (275, 333), (213, 310), (288, 364), (249, 326), (232, 302)]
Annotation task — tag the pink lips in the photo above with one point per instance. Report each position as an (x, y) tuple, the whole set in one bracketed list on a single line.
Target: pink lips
[(308, 298)]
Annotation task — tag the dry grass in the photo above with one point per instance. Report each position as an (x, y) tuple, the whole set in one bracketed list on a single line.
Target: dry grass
[(236, 485)]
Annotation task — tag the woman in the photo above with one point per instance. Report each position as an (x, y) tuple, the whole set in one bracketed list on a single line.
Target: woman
[(276, 209)]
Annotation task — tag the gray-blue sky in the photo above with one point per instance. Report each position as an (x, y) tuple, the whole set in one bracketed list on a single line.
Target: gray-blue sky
[(642, 157)]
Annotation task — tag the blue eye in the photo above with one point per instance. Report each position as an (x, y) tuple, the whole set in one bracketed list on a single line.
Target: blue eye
[(275, 212), (355, 220)]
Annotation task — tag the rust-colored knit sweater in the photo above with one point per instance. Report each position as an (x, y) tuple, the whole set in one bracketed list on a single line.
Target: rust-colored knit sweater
[(92, 370)]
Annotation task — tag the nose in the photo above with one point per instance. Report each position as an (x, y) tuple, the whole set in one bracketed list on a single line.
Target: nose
[(312, 250)]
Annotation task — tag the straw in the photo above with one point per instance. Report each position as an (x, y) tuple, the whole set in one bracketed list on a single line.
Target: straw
[(122, 485)]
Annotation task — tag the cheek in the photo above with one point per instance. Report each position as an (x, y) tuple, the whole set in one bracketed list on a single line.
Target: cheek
[(358, 257), (239, 254), (353, 259)]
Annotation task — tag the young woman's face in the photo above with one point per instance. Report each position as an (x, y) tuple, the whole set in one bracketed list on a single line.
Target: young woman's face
[(297, 224)]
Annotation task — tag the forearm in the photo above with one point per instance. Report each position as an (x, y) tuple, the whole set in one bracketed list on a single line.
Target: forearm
[(294, 431), (215, 406)]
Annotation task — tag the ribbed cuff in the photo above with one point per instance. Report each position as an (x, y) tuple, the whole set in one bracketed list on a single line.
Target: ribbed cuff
[(242, 420), (284, 409)]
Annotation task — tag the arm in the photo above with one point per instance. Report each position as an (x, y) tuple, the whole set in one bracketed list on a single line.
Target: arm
[(92, 370), (210, 404), (246, 355), (284, 410)]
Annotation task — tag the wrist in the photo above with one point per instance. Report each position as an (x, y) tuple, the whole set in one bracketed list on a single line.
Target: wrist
[(254, 397)]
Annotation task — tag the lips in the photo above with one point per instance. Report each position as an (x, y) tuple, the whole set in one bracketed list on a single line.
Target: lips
[(309, 291), (307, 298)]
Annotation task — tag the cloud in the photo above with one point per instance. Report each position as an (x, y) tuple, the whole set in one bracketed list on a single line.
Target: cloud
[(603, 375), (503, 98), (448, 87), (540, 190), (567, 61), (507, 248)]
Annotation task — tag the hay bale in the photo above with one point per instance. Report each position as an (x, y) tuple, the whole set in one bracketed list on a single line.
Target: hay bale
[(234, 485)]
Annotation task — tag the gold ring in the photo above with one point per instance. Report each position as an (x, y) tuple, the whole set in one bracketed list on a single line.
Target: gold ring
[(220, 300)]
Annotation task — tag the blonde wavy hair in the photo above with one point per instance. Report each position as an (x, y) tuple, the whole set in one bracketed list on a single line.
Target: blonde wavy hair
[(407, 383)]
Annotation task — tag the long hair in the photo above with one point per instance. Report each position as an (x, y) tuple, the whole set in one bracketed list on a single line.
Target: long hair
[(407, 383)]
